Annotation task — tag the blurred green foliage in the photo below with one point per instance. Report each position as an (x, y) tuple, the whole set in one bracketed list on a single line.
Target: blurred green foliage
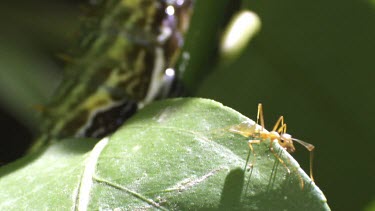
[(312, 62), (32, 35)]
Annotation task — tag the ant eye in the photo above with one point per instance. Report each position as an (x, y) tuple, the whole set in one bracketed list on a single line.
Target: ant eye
[(282, 141)]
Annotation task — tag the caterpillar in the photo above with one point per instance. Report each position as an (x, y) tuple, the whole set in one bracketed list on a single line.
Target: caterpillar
[(126, 62)]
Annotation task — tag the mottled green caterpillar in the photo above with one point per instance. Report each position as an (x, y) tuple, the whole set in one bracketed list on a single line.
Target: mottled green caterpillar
[(128, 61)]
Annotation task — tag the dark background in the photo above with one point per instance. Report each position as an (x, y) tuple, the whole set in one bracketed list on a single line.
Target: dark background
[(312, 62)]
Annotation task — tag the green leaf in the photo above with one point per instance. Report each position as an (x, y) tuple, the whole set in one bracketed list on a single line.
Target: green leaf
[(174, 155)]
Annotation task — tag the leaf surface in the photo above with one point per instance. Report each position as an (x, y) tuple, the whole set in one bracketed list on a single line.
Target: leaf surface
[(174, 155)]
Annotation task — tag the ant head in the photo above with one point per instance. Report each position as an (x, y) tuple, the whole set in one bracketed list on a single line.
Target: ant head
[(286, 141)]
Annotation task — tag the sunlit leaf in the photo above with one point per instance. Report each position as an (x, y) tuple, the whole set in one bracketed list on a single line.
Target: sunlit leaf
[(174, 155)]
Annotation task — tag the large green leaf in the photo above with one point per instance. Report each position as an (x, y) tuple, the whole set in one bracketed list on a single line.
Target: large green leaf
[(175, 155)]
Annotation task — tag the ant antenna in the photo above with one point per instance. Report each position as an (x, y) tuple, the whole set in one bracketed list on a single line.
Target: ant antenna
[(309, 147)]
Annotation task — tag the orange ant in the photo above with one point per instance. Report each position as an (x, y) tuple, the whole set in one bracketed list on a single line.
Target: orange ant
[(278, 133)]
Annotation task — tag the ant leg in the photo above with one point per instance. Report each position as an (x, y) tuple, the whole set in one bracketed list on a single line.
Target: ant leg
[(260, 115), (280, 120), (282, 129), (250, 143), (278, 157), (283, 163)]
